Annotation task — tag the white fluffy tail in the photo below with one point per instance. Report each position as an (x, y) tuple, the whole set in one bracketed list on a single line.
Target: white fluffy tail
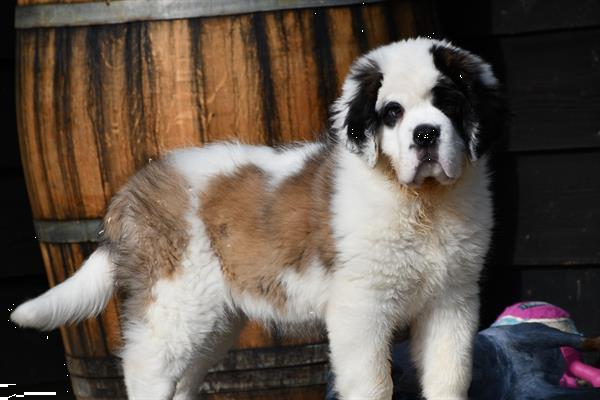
[(82, 296)]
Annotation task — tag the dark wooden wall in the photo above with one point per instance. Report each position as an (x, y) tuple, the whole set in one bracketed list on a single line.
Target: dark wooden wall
[(547, 241)]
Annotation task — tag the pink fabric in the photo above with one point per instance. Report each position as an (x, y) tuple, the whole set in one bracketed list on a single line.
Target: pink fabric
[(576, 369), (534, 310), (585, 372), (569, 379)]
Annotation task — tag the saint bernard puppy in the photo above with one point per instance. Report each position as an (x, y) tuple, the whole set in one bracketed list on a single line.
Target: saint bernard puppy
[(382, 225)]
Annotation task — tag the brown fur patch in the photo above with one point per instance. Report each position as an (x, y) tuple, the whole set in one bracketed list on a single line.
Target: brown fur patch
[(386, 166), (146, 231), (258, 231)]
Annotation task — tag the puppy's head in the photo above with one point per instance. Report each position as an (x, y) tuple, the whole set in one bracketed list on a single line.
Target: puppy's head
[(425, 105)]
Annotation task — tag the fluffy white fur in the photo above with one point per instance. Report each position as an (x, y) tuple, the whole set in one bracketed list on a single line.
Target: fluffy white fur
[(86, 293), (394, 268)]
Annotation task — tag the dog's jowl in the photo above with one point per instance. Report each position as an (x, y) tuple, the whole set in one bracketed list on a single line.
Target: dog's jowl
[(383, 224)]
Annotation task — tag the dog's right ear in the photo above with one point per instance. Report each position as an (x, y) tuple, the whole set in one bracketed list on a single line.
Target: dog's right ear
[(484, 113), (355, 119)]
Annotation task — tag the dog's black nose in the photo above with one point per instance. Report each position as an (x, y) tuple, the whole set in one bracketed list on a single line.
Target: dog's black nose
[(426, 135)]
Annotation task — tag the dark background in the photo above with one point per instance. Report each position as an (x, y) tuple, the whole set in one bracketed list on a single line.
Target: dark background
[(546, 179), (27, 356)]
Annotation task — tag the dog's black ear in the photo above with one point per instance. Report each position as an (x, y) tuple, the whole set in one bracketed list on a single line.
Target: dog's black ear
[(357, 109), (481, 115)]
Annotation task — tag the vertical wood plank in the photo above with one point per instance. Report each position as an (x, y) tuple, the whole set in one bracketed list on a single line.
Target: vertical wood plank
[(85, 162), (232, 81), (347, 44), (293, 70), (401, 16), (36, 2), (304, 393), (377, 33)]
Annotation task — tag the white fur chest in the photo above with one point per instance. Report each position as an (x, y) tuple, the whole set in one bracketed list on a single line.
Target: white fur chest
[(406, 249)]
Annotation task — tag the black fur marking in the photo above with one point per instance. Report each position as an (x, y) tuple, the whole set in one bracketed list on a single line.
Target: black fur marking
[(451, 101), (362, 119), (477, 109)]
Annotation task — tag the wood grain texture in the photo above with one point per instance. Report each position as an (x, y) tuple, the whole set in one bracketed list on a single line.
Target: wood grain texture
[(37, 2), (264, 371), (273, 357), (114, 389), (265, 379), (574, 289), (101, 388), (547, 209), (95, 104), (510, 17), (303, 393), (555, 100)]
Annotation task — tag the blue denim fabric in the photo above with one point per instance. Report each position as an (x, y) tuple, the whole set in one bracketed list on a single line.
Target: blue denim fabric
[(515, 362)]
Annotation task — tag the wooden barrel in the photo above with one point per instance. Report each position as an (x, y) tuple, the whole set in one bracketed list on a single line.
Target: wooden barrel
[(104, 87)]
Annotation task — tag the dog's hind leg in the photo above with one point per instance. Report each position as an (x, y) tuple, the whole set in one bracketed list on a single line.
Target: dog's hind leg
[(166, 326), (157, 356), (207, 353), (150, 365)]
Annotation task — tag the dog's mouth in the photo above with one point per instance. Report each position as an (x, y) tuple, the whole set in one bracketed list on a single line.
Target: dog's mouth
[(427, 156), (431, 169)]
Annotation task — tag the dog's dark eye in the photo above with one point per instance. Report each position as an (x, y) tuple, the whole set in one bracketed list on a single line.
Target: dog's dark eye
[(391, 113)]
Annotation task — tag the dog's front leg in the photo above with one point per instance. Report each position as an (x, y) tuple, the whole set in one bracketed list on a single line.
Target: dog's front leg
[(359, 341), (442, 342)]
